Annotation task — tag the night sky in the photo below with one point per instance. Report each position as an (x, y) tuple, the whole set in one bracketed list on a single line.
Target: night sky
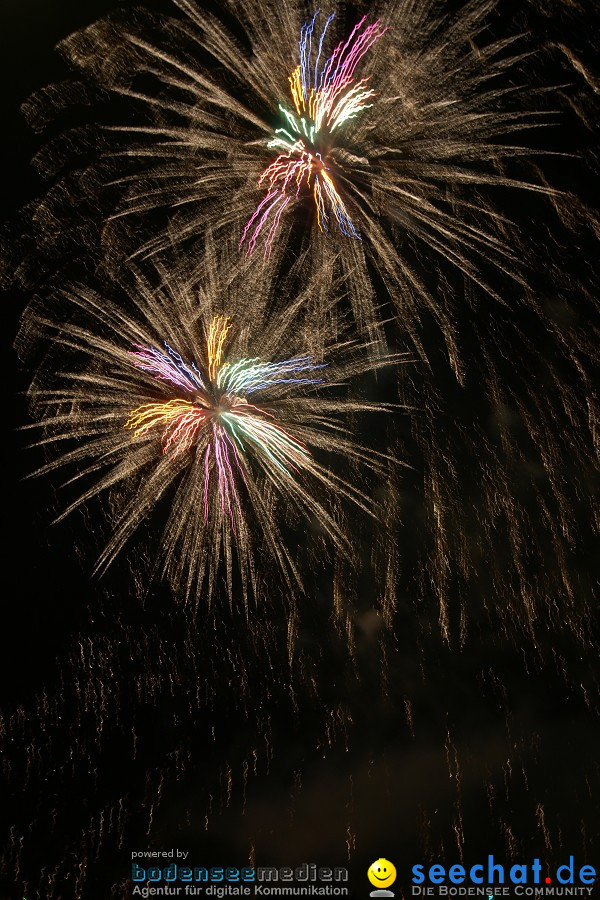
[(125, 726)]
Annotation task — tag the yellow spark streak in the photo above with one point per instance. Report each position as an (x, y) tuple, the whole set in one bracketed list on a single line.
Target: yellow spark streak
[(181, 419), (296, 87), (147, 416), (218, 331), (319, 203)]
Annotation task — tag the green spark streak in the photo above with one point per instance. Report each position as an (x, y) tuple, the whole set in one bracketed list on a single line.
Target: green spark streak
[(274, 443)]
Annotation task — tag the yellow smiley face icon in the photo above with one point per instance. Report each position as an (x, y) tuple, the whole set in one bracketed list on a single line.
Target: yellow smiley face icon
[(382, 873)]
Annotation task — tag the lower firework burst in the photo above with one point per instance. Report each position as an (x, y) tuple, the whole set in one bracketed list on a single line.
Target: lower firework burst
[(212, 416), (189, 398)]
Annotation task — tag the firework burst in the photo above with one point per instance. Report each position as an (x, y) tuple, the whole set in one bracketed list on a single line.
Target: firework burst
[(215, 417), (324, 99), (486, 540), (171, 401), (391, 141), (422, 120)]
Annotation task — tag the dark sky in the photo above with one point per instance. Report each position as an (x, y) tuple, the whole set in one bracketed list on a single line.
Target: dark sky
[(480, 711)]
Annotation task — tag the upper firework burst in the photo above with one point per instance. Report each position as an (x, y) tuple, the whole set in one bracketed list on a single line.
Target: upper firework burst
[(325, 95), (389, 144), (192, 401)]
